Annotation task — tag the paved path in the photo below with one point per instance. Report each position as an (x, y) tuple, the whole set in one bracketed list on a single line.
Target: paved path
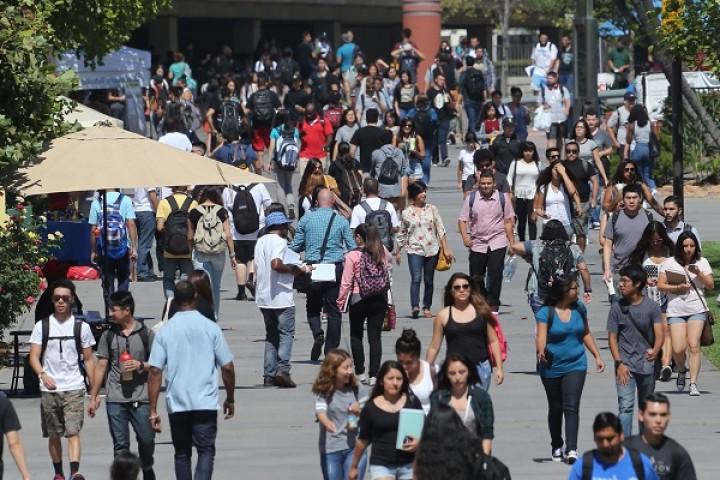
[(274, 433)]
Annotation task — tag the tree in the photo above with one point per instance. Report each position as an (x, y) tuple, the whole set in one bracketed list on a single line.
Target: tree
[(692, 29)]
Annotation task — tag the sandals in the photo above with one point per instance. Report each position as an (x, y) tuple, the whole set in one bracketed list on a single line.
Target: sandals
[(427, 313)]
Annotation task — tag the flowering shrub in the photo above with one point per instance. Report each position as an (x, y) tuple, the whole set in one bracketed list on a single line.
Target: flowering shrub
[(22, 256)]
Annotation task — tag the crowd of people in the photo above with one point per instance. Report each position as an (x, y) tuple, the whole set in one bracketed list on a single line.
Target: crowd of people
[(351, 144)]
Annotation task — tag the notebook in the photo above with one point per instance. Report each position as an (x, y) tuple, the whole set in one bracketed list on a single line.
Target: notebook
[(323, 272), (410, 425)]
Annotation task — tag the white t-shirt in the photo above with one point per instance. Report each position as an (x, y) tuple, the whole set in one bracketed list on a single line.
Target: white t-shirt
[(273, 289), (544, 57), (262, 200), (618, 120), (61, 356), (689, 303), (177, 140), (141, 202), (359, 213), (557, 205), (466, 160), (522, 176)]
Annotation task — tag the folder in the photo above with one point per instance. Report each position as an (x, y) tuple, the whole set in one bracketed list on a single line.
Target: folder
[(410, 425)]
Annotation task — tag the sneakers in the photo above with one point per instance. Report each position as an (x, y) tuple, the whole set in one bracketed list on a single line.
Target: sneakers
[(268, 382), (283, 380), (572, 456), (59, 477), (452, 139), (77, 476), (680, 382), (665, 373), (445, 162), (372, 381), (250, 285), (557, 455), (362, 378), (291, 212), (317, 348), (694, 392)]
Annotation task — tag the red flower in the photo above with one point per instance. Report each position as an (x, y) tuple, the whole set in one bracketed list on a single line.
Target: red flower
[(30, 300)]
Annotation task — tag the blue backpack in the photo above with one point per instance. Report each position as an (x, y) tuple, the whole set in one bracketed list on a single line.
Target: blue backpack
[(117, 239)]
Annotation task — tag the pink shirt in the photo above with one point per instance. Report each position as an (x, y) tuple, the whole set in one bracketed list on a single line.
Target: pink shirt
[(487, 222), (351, 275)]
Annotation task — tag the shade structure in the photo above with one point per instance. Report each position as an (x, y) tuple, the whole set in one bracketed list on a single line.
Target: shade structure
[(106, 157), (88, 117)]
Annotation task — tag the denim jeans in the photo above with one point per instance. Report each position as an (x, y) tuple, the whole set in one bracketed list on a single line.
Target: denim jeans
[(323, 297), (279, 336), (641, 156), (136, 414), (563, 397), (486, 268), (484, 371), (472, 110), (170, 266), (421, 269), (336, 465), (430, 146), (644, 384), (284, 187), (567, 80), (145, 222), (196, 428), (373, 310), (213, 264)]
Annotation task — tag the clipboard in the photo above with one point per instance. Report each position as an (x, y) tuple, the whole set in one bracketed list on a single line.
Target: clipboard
[(676, 278), (410, 425), (323, 272)]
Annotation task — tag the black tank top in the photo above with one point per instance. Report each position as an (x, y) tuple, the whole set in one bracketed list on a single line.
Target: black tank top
[(468, 339)]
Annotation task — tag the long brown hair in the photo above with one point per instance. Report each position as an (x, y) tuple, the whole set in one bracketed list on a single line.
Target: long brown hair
[(325, 382), (309, 180), (477, 299), (373, 244), (201, 281)]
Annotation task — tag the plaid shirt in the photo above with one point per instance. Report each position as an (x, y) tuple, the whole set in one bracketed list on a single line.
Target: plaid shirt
[(481, 405), (311, 231)]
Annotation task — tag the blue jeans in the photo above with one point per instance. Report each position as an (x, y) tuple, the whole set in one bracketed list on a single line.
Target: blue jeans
[(472, 110), (421, 269), (196, 428), (145, 222), (336, 465), (567, 80), (170, 266), (398, 473), (430, 146), (641, 156), (644, 384), (484, 371), (136, 414), (279, 335), (442, 136), (404, 112), (213, 264)]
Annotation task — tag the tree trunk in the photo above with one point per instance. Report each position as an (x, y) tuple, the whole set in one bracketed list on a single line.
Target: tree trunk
[(505, 30)]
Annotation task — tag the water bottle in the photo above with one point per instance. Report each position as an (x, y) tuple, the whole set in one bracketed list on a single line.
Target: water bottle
[(352, 420), (125, 376), (509, 269)]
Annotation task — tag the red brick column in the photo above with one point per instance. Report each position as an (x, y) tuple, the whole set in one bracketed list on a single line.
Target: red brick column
[(424, 18)]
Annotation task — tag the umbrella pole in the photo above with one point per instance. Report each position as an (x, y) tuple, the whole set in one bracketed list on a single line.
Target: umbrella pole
[(105, 271)]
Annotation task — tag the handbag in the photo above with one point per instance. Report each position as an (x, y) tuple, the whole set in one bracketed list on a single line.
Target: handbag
[(443, 263), (706, 337), (303, 283)]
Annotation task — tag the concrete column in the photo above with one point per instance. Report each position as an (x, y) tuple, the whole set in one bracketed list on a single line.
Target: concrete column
[(256, 29), (245, 35), (424, 18), (163, 33)]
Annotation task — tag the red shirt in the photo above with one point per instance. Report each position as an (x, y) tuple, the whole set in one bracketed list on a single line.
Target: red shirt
[(314, 138)]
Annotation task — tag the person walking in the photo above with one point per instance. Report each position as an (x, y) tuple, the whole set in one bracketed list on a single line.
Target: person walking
[(563, 334), (466, 164), (284, 151), (145, 202), (125, 349), (583, 175), (617, 123), (209, 229), (10, 428), (439, 98), (368, 139), (468, 326), (61, 356), (192, 385), (172, 223), (413, 146), (486, 226), (324, 236), (274, 298), (426, 125), (379, 424), (557, 100), (423, 235), (405, 94), (684, 277), (673, 213), (639, 134), (421, 373), (556, 197), (522, 177), (635, 337), (669, 459), (339, 398)]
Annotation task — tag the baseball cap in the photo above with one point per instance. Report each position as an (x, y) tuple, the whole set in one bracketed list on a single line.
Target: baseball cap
[(629, 96)]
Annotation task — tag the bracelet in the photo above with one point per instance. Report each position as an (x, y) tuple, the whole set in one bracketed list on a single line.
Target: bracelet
[(231, 402), (588, 291)]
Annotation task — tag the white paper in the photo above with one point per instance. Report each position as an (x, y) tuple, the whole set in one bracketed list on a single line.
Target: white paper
[(323, 272), (291, 258)]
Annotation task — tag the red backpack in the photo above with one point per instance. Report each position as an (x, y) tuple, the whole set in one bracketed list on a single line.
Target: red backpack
[(501, 338), (334, 116), (373, 279)]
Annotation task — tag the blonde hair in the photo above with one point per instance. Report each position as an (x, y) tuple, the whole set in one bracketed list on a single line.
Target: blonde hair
[(325, 382)]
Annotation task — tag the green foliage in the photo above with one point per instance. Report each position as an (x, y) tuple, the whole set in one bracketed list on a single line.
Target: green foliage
[(555, 12), (689, 29), (711, 251)]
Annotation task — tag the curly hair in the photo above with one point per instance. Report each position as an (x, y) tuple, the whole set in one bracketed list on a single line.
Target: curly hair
[(325, 382)]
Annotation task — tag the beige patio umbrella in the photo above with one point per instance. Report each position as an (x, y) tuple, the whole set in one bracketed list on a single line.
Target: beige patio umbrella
[(87, 117), (106, 157)]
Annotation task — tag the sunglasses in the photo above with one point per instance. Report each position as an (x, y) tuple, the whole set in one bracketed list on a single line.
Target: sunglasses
[(463, 286), (571, 152), (629, 169), (64, 298)]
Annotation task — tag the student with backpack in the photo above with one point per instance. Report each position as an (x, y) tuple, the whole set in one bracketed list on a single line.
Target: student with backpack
[(61, 355), (556, 194), (125, 349), (261, 107), (473, 88), (378, 212), (113, 251), (389, 166), (426, 124), (209, 228), (364, 289), (284, 151), (349, 180), (172, 223)]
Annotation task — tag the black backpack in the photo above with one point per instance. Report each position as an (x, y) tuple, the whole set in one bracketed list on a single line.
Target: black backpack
[(263, 110), (635, 458), (77, 333), (382, 220), (230, 120), (389, 171), (113, 332), (556, 261), (285, 70), (650, 217), (475, 84), (490, 468), (245, 215), (176, 229)]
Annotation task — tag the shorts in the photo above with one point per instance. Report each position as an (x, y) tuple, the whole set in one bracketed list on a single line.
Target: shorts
[(401, 473), (695, 317), (244, 250), (557, 131), (580, 223), (538, 80), (62, 413), (260, 137), (468, 185)]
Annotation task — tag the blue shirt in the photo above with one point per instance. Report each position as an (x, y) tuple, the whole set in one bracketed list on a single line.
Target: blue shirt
[(565, 342), (346, 53), (126, 210), (190, 348), (310, 233), (622, 470)]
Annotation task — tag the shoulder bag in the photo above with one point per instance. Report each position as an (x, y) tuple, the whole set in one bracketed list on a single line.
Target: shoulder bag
[(706, 337), (443, 263)]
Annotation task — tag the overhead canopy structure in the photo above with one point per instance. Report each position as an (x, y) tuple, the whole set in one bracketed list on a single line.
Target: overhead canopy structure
[(105, 157)]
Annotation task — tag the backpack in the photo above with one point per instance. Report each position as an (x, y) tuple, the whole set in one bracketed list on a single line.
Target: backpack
[(142, 331), (230, 121), (287, 153), (176, 230), (117, 239), (77, 335), (209, 234), (382, 220), (555, 261), (490, 468), (616, 215), (389, 171), (263, 110), (373, 279), (333, 115), (635, 458), (501, 340), (245, 215), (562, 93), (475, 84), (285, 70)]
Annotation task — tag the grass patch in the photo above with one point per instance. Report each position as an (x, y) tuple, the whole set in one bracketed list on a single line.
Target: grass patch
[(711, 251)]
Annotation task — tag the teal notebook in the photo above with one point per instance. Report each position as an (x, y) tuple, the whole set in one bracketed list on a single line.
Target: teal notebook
[(410, 425)]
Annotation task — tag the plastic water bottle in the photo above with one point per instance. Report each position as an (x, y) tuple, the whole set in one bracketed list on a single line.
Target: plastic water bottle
[(352, 420), (510, 267)]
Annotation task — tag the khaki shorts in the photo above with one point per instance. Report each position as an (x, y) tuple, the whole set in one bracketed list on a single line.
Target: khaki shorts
[(62, 413)]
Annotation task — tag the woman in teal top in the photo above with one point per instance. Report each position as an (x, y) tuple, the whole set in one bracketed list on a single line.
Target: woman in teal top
[(177, 69), (562, 336)]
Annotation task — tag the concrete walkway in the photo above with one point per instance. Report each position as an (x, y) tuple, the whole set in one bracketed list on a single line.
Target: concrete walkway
[(273, 434)]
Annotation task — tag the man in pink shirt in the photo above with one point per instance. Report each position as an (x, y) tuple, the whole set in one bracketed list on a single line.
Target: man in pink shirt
[(486, 226)]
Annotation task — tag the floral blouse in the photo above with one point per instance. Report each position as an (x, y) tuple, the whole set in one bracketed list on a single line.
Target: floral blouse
[(421, 230)]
